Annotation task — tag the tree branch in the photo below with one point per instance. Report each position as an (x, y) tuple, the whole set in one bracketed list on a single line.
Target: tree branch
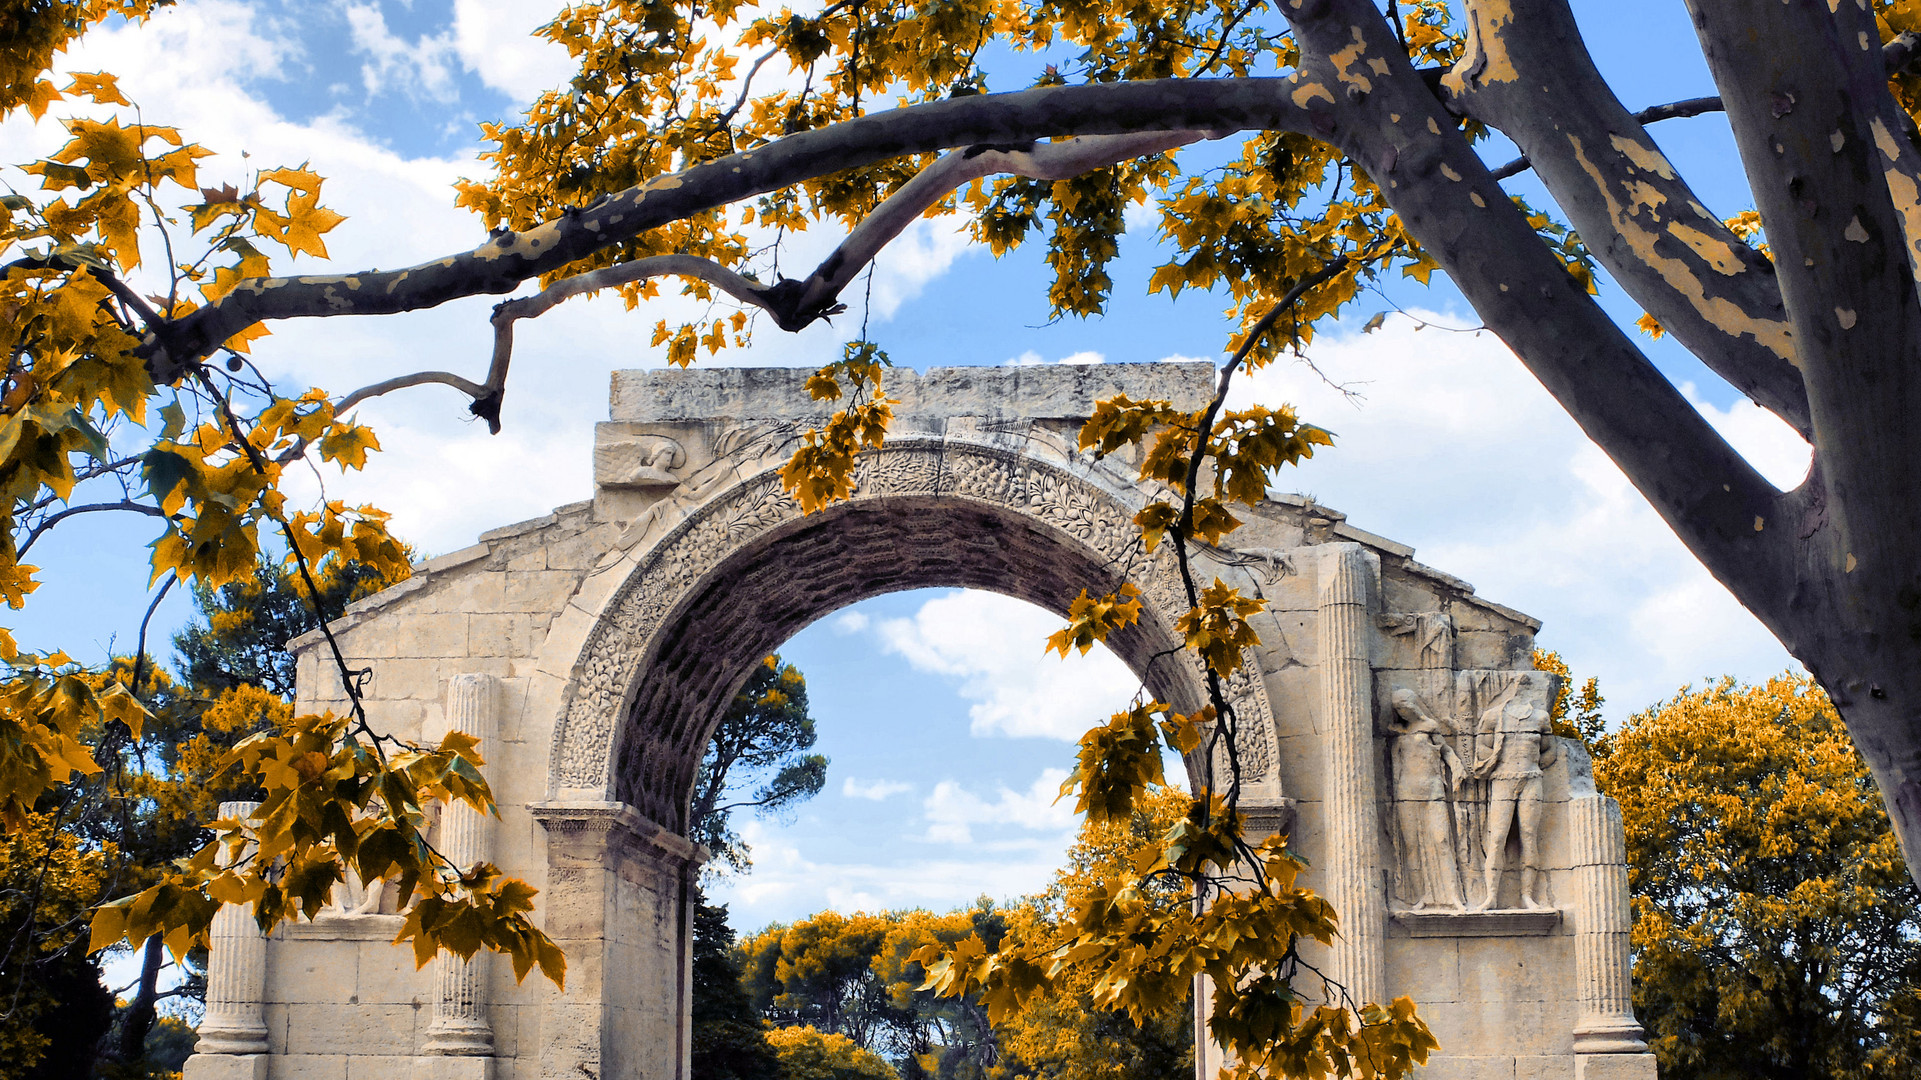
[(1396, 130), (503, 263), (1897, 56), (90, 508), (1530, 76), (1673, 110), (797, 304)]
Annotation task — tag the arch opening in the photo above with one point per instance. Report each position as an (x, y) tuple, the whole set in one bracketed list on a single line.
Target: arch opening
[(777, 584)]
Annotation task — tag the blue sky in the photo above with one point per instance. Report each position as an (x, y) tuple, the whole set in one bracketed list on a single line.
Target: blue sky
[(935, 794)]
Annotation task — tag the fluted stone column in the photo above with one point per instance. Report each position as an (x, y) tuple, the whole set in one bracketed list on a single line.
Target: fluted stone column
[(1353, 832), (459, 1027), (233, 1033), (1601, 923)]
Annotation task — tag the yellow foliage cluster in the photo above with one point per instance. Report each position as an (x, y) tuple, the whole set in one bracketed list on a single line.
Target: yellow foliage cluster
[(1774, 919), (210, 455), (808, 1054), (48, 879)]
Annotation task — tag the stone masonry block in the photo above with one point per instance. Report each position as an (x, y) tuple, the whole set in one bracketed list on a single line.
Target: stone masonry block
[(430, 635), (499, 635), (226, 1067), (452, 1068), (413, 678), (713, 393), (474, 590), (1470, 1067), (318, 1029), (310, 1067), (1614, 1067)]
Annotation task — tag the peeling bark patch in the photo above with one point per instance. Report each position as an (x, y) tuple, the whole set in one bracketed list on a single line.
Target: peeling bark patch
[(1311, 92), (1719, 253), (1642, 233), (1759, 523), (1448, 171), (1485, 58), (1344, 59), (1645, 158), (1432, 126), (1475, 196), (1849, 568), (1855, 231), (1902, 184), (1846, 317), (1837, 140)]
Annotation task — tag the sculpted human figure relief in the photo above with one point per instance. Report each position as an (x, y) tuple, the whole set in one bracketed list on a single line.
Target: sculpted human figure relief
[(1513, 743), (1427, 776)]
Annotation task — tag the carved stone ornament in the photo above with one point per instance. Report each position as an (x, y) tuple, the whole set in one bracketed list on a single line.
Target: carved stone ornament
[(637, 461), (680, 562)]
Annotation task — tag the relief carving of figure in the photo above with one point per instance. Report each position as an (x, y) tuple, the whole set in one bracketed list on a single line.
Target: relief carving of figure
[(1513, 743), (353, 897), (1427, 774)]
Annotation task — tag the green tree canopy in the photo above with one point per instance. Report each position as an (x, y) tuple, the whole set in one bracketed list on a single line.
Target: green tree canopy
[(756, 759), (729, 1038)]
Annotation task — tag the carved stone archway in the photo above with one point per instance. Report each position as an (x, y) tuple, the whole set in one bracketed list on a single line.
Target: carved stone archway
[(591, 650), (743, 570)]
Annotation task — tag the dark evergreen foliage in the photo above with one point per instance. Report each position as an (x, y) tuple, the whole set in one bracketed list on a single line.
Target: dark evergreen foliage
[(730, 1041)]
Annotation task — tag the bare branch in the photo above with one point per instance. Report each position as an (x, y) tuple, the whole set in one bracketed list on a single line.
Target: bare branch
[(1673, 110), (797, 304), (90, 508), (401, 382), (503, 263)]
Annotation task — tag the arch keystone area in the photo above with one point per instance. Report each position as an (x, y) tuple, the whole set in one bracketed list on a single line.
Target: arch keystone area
[(599, 643)]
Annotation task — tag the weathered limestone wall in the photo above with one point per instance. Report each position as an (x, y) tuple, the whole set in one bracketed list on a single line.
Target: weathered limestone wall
[(603, 633)]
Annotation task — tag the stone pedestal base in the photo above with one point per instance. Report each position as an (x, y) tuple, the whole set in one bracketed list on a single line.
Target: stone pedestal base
[(1609, 1035), (225, 1067), (453, 1068), (1614, 1067)]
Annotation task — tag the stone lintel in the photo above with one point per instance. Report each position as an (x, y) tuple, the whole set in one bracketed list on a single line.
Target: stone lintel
[(1054, 391), (1460, 924), (622, 823)]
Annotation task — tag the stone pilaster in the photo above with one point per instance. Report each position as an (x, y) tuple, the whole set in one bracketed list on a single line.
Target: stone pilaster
[(1353, 832), (1601, 923), (459, 1027), (233, 1033)]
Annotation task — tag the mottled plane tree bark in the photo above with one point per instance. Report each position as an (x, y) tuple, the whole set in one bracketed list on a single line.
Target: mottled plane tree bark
[(1821, 330)]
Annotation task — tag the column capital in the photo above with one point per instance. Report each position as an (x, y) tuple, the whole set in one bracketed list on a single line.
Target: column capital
[(620, 824)]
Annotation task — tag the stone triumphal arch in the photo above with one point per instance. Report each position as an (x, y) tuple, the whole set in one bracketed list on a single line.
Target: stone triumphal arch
[(1391, 719)]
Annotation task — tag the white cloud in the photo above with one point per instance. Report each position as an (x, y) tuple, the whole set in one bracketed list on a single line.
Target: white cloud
[(877, 790), (786, 883), (495, 41), (850, 622), (1030, 358), (1455, 449), (993, 645), (1764, 439), (952, 811), (418, 69)]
